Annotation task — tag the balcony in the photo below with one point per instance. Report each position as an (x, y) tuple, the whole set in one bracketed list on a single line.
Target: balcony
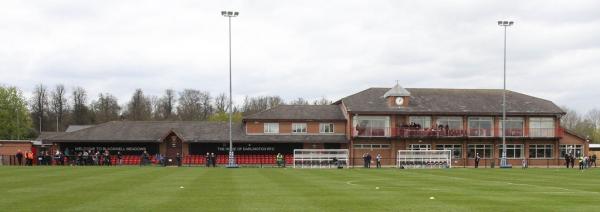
[(403, 132)]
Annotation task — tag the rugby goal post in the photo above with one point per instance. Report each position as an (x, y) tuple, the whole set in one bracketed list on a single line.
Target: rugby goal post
[(424, 159), (320, 158)]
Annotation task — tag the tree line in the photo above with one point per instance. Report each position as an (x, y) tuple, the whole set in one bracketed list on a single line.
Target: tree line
[(585, 124), (55, 108)]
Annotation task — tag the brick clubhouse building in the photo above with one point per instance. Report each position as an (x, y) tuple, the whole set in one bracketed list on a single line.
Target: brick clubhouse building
[(375, 120)]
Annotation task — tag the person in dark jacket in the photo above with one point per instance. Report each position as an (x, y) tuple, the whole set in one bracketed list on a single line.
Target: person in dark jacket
[(178, 159), (213, 159), (369, 160), (568, 159), (19, 157), (207, 159)]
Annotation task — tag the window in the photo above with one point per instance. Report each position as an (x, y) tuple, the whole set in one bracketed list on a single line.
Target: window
[(512, 151), (298, 127), (514, 127), (423, 121), (372, 126), (541, 127), (371, 146), (456, 149), (326, 128), (484, 150), (419, 147), (454, 123), (571, 149), (271, 128), (480, 126), (540, 151)]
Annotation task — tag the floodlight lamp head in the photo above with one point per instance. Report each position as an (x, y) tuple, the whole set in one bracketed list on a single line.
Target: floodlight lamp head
[(499, 22), (224, 13), (237, 13), (229, 13)]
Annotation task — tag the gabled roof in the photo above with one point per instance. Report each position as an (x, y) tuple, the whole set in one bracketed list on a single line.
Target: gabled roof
[(299, 112), (189, 131), (450, 101), (73, 128), (396, 91)]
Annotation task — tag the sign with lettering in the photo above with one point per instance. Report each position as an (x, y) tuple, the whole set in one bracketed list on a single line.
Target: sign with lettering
[(113, 148), (244, 148)]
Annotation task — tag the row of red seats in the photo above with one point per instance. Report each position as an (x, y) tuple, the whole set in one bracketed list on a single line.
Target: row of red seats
[(240, 159)]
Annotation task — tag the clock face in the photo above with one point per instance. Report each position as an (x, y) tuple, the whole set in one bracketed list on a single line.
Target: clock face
[(399, 100)]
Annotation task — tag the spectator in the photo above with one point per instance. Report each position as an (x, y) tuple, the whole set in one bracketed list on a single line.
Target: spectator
[(378, 160), (477, 158), (207, 159), (29, 158), (279, 159), (19, 157), (213, 159), (593, 160), (120, 158), (106, 157), (178, 159), (369, 160)]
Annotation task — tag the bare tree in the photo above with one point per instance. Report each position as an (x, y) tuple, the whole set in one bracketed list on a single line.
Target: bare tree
[(221, 103), (570, 119), (256, 104), (59, 106), (106, 108), (39, 106), (299, 101), (165, 106), (322, 101), (139, 107), (194, 105), (80, 111)]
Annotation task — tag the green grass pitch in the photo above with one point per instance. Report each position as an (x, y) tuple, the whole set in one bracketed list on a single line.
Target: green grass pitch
[(271, 189)]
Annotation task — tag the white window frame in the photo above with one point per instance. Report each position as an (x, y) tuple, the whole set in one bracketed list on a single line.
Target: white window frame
[(514, 148), (322, 127), (419, 147), (574, 148), (384, 119), (446, 120), (541, 127), (424, 121), (452, 147), (299, 128), (268, 130), (482, 147), (478, 126), (545, 147), (372, 146), (510, 120)]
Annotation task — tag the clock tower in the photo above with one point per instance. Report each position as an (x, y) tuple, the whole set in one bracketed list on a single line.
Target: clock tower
[(397, 96)]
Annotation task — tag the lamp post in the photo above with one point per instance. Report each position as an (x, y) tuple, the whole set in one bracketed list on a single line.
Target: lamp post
[(503, 162), (231, 162)]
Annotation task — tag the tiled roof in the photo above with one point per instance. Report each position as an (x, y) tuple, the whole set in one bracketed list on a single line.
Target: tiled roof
[(190, 131), (300, 112), (450, 101)]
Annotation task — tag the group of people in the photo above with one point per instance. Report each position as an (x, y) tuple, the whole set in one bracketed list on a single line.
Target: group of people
[(367, 159), (160, 159), (584, 161), (28, 158), (210, 159)]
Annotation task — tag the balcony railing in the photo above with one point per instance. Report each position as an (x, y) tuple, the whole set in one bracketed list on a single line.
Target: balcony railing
[(404, 132)]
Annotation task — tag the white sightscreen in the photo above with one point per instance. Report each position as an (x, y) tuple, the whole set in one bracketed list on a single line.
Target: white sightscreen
[(424, 159), (320, 158)]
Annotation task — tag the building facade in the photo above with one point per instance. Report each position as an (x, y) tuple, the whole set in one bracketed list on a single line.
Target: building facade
[(375, 121)]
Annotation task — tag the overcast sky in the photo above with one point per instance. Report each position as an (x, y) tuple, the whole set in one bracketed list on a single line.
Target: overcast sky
[(307, 49)]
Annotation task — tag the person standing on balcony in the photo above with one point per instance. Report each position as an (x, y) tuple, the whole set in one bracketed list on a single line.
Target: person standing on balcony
[(378, 160), (477, 158)]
